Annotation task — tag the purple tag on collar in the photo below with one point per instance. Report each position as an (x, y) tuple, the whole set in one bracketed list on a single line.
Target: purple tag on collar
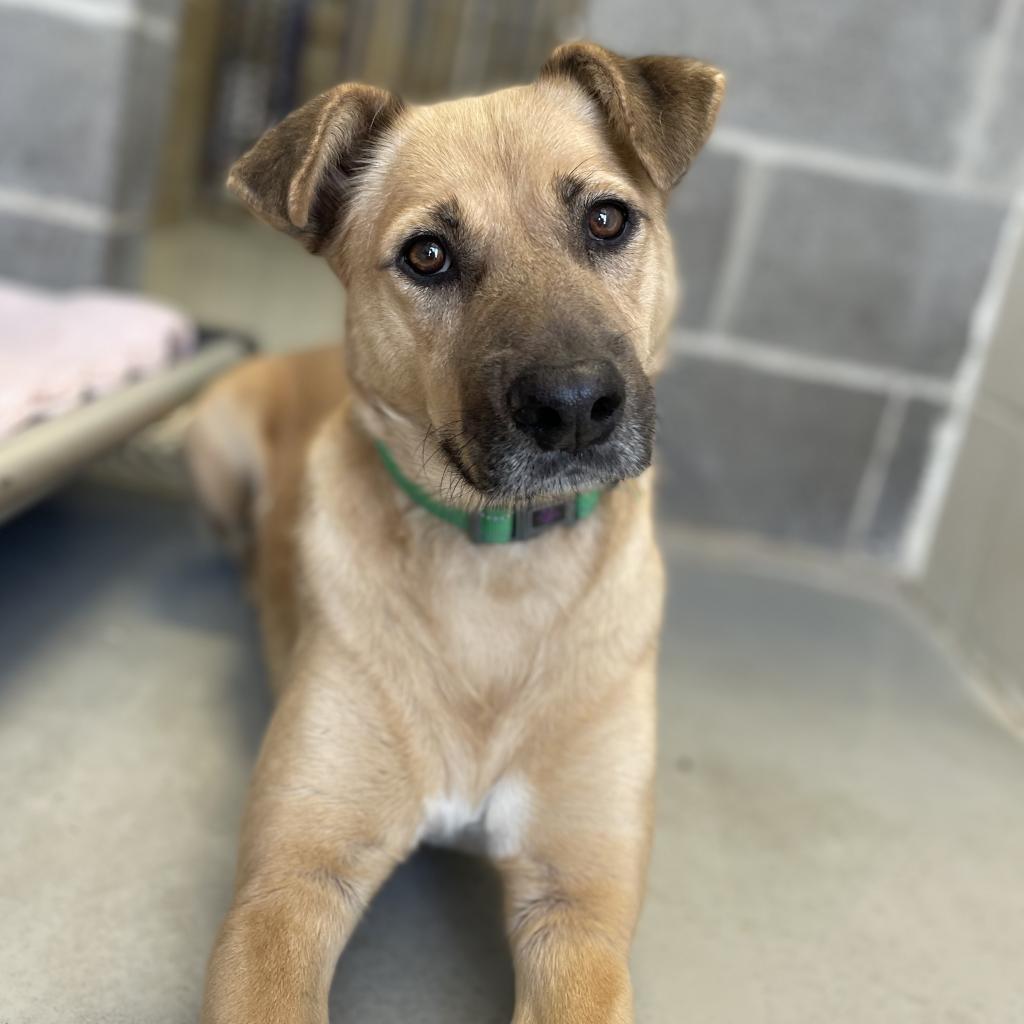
[(528, 522), (549, 515)]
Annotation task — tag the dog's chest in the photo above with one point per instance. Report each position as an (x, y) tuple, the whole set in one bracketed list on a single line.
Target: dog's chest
[(496, 825), (502, 615)]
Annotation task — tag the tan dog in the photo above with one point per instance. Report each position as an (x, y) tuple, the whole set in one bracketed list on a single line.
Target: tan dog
[(510, 278)]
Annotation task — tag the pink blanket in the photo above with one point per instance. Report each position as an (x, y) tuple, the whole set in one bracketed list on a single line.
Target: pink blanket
[(58, 350)]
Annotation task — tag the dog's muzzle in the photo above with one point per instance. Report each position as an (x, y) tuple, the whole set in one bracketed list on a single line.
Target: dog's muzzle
[(557, 430)]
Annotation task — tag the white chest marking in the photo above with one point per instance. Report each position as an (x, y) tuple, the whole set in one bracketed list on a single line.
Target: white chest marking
[(496, 826)]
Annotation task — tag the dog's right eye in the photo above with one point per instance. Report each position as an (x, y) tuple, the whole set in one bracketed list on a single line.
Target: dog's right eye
[(606, 221), (426, 256)]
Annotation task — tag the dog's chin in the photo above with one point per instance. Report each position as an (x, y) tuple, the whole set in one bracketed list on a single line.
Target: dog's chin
[(516, 474)]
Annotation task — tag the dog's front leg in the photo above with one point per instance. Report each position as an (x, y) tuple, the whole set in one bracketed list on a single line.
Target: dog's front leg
[(331, 812), (571, 918), (573, 892)]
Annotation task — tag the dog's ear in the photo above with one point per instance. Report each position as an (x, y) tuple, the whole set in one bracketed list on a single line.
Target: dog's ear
[(662, 107), (298, 174)]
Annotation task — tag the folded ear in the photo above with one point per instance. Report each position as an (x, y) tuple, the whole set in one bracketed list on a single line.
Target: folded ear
[(298, 175), (662, 107)]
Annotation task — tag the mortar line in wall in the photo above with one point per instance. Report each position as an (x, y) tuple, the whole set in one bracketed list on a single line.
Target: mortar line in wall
[(926, 509), (65, 212), (157, 27), (746, 222), (801, 156), (988, 78), (876, 471), (794, 365)]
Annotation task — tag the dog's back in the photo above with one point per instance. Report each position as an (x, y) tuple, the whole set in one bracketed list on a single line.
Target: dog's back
[(246, 451), (246, 445)]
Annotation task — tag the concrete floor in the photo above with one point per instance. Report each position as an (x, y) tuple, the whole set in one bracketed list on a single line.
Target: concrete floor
[(840, 836)]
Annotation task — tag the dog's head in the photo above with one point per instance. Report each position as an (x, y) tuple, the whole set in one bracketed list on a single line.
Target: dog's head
[(508, 266)]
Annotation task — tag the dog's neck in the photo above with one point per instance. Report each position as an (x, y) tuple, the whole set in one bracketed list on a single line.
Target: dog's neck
[(392, 436), (495, 525)]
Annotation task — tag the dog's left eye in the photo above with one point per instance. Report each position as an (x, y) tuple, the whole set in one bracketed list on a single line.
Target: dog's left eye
[(606, 221), (426, 256)]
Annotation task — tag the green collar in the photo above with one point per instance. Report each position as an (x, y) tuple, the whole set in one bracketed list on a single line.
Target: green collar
[(495, 525)]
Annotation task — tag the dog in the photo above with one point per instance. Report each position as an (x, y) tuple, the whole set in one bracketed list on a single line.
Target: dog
[(447, 521)]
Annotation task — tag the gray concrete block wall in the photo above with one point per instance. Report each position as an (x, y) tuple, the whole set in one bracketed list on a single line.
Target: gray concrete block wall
[(83, 91), (835, 237), (889, 80), (995, 150), (747, 451), (869, 272)]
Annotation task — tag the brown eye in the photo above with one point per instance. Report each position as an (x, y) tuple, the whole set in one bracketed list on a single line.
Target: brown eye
[(426, 256), (606, 221)]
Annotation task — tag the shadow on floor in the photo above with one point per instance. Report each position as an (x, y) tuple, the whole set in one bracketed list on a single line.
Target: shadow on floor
[(431, 949)]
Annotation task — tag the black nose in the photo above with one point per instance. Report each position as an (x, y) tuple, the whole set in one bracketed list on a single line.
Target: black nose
[(568, 408)]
